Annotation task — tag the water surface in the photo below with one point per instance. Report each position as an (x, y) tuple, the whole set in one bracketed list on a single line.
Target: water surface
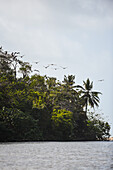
[(56, 156)]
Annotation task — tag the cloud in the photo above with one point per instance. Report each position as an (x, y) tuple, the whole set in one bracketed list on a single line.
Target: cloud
[(58, 14), (55, 29)]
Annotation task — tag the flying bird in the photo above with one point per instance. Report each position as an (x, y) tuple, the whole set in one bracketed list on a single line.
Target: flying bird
[(36, 62), (55, 68), (37, 70), (63, 67), (46, 67), (22, 56), (101, 80), (53, 64)]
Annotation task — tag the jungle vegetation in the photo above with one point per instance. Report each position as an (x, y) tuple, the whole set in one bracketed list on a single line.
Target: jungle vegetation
[(41, 108)]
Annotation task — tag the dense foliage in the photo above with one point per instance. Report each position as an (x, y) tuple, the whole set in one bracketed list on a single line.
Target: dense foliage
[(35, 107)]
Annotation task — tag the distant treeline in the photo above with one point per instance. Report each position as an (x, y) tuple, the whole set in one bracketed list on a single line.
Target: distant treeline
[(36, 108)]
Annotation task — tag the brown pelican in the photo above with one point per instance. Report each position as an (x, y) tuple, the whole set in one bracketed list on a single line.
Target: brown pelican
[(46, 66), (36, 70), (101, 80)]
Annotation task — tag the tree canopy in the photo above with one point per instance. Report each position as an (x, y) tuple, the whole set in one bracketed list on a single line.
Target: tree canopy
[(35, 107)]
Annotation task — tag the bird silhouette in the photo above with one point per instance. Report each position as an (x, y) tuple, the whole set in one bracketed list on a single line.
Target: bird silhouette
[(36, 62), (53, 64), (46, 66), (55, 68), (22, 56), (37, 70), (63, 67), (101, 80)]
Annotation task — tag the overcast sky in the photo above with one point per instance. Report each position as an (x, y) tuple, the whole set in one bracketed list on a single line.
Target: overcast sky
[(77, 34)]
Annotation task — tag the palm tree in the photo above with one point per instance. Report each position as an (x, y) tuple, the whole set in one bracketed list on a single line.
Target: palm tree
[(70, 97), (89, 97)]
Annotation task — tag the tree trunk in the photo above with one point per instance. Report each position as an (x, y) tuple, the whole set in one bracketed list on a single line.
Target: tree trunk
[(86, 108)]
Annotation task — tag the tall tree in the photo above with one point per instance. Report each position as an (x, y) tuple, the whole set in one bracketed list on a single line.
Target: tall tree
[(25, 69), (89, 97)]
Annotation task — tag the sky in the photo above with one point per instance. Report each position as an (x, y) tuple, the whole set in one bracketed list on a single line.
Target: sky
[(76, 34)]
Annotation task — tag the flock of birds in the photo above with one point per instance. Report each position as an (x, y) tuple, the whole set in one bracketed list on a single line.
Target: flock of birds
[(49, 65), (37, 62), (56, 68)]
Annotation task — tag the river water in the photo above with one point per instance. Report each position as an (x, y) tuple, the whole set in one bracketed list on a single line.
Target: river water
[(56, 156)]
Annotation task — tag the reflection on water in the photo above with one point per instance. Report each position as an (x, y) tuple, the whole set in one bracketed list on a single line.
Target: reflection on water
[(56, 156)]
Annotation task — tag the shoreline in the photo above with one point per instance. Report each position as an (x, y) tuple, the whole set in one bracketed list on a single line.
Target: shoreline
[(26, 141)]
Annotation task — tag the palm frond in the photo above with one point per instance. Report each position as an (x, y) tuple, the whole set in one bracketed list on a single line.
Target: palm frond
[(91, 102), (78, 86), (95, 103)]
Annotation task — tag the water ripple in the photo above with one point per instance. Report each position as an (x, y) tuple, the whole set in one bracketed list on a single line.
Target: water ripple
[(56, 156)]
